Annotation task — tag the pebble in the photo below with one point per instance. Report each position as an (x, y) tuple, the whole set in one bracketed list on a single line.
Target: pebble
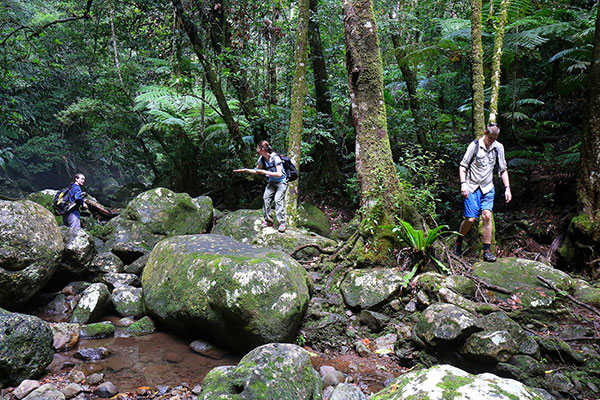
[(197, 389), (95, 379), (325, 369), (333, 379), (76, 376), (92, 354), (71, 390)]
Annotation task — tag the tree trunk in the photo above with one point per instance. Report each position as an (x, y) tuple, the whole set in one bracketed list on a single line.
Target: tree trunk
[(582, 246), (326, 171), (477, 78), (381, 197), (214, 83), (298, 94), (501, 24)]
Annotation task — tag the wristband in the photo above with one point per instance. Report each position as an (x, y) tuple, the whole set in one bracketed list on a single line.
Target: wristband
[(463, 182), (506, 187)]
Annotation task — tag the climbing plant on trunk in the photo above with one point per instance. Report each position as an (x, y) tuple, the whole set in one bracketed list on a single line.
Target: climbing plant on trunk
[(498, 40), (477, 78)]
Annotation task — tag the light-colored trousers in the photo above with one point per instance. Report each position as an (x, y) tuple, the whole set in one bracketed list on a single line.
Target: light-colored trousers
[(275, 190)]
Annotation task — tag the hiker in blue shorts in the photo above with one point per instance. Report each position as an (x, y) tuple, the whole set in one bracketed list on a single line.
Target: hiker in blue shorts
[(477, 186)]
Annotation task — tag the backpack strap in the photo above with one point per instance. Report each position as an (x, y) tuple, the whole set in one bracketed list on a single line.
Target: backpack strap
[(495, 150)]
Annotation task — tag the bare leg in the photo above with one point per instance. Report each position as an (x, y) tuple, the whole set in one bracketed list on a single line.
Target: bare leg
[(465, 226), (486, 215)]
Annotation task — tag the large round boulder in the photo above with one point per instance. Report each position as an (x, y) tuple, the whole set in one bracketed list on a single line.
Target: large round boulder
[(164, 212), (25, 347), (245, 226), (369, 289), (273, 371), (238, 295), (30, 250)]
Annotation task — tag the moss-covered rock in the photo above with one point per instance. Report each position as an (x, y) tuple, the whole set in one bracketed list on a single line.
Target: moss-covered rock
[(519, 276), (144, 326), (164, 212), (273, 371), (30, 249), (79, 251), (240, 296), (244, 226), (490, 347), (313, 219), (97, 330), (25, 347), (445, 382), (369, 289), (587, 293)]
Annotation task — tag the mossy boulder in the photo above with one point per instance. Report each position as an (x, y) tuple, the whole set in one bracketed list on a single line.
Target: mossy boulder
[(31, 245), (443, 382), (164, 212), (519, 276), (238, 295), (25, 347), (445, 325), (490, 347), (587, 293), (144, 326), (312, 218), (44, 198), (97, 330), (273, 371), (371, 288), (244, 226), (129, 240)]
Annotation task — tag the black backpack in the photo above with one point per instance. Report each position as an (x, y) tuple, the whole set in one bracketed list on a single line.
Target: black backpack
[(60, 202), (290, 169)]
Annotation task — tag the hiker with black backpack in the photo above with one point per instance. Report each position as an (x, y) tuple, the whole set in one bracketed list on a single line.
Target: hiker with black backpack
[(75, 197), (477, 186), (271, 165)]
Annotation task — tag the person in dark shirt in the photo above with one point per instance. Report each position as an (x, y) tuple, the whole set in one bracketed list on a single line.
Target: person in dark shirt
[(72, 218)]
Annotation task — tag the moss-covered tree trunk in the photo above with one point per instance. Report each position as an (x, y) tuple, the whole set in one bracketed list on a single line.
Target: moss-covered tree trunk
[(298, 94), (582, 247), (498, 40), (326, 171), (381, 197), (214, 83), (477, 78)]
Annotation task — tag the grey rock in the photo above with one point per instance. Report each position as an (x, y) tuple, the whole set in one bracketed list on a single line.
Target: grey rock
[(106, 390), (114, 280), (443, 324), (26, 387), (206, 349), (144, 326), (369, 289), (490, 347), (71, 390), (76, 376), (137, 266), (45, 392), (95, 379), (92, 304), (25, 347), (30, 250), (325, 369), (253, 378), (384, 345), (127, 301), (92, 354), (344, 391), (374, 320), (79, 251), (105, 263)]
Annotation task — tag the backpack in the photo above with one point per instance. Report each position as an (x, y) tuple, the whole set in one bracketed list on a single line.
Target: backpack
[(60, 202), (290, 169)]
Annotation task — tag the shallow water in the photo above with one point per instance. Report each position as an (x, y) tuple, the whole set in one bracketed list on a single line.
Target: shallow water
[(152, 360)]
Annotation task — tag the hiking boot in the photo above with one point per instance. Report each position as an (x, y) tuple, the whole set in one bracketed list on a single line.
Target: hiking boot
[(281, 228), (489, 256), (457, 251), (264, 224)]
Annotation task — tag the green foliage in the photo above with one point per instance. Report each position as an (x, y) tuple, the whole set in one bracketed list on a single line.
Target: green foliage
[(418, 246)]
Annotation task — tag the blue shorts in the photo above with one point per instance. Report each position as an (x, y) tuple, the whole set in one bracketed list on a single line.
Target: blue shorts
[(477, 202)]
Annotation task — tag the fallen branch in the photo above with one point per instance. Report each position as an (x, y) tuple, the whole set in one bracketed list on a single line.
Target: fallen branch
[(568, 296), (487, 285)]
